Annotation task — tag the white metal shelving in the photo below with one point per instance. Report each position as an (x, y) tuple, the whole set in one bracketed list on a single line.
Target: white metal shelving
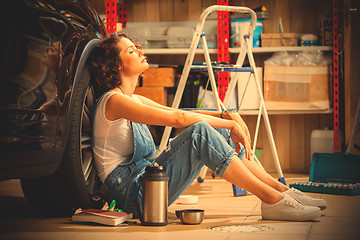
[(282, 49), (184, 51), (285, 112), (175, 51)]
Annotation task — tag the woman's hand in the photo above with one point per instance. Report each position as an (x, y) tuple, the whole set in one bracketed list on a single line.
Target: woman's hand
[(235, 116), (238, 135)]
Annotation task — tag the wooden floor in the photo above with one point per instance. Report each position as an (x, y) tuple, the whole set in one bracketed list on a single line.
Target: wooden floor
[(226, 217)]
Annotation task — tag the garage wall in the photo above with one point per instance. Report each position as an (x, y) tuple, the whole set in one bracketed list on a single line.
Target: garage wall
[(291, 132)]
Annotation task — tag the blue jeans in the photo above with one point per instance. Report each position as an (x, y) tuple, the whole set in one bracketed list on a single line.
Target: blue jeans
[(198, 145)]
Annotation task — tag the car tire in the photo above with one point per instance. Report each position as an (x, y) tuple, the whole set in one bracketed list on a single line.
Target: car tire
[(72, 185)]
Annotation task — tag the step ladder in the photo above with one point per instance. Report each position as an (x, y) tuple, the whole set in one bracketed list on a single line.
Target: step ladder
[(211, 67)]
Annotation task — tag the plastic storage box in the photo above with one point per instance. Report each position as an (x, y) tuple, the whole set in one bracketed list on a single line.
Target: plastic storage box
[(296, 87), (240, 27), (177, 34)]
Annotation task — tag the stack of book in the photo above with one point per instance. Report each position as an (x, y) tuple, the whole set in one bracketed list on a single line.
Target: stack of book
[(111, 218)]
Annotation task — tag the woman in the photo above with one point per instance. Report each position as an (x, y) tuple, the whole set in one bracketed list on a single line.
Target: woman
[(123, 143)]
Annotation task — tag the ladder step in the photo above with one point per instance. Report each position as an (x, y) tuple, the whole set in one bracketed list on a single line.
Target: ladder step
[(207, 109), (222, 69)]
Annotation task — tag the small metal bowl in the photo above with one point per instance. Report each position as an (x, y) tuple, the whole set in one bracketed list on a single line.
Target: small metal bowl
[(190, 216)]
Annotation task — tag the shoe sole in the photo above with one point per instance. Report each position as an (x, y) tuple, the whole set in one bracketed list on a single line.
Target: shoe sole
[(296, 198), (310, 217)]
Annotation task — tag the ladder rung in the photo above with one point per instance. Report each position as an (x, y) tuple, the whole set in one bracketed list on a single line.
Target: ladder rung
[(229, 68), (207, 109)]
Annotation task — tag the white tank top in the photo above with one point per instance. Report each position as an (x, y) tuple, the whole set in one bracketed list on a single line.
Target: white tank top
[(113, 140)]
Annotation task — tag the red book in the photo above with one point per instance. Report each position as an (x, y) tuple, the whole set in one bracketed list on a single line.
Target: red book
[(110, 218)]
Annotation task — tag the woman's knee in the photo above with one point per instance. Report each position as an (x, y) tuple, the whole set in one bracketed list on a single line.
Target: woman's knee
[(201, 124), (203, 128)]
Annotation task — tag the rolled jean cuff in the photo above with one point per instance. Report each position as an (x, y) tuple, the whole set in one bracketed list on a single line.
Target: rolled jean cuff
[(242, 152), (224, 163)]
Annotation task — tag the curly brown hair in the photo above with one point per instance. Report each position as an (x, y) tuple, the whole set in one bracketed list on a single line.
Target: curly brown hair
[(105, 62)]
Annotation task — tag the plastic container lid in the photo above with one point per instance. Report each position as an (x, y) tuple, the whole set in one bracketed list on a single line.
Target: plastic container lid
[(245, 20), (188, 199)]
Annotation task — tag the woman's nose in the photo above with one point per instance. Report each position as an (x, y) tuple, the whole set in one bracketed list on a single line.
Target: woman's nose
[(141, 53)]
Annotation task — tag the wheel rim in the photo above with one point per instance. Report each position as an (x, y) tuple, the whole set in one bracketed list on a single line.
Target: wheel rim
[(87, 162)]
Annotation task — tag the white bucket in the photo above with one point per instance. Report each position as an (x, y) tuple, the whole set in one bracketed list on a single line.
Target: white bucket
[(322, 141)]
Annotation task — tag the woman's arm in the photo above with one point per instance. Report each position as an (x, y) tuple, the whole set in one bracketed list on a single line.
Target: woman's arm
[(149, 112), (208, 112), (150, 102), (152, 113)]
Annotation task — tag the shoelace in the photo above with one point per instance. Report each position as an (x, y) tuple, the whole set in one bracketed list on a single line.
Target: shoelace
[(297, 191), (295, 205)]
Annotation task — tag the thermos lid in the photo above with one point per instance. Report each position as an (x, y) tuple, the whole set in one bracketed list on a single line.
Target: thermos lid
[(155, 173)]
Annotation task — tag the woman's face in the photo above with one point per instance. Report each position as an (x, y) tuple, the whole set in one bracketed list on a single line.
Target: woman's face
[(133, 59), (51, 57)]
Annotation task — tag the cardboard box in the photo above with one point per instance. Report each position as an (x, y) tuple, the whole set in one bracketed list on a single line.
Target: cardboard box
[(157, 94), (159, 77), (296, 87), (279, 39), (248, 95)]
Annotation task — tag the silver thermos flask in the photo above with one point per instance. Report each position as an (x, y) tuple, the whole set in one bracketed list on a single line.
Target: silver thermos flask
[(155, 202)]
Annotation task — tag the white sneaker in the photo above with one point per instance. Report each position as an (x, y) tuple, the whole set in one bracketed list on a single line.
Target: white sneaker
[(289, 209), (305, 199)]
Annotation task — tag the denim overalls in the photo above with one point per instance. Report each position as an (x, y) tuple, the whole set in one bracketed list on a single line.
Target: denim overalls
[(196, 146)]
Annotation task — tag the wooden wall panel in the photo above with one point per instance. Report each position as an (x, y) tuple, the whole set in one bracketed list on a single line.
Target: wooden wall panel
[(194, 10), (247, 3), (311, 122), (278, 11), (269, 25), (137, 11), (282, 134), (181, 10), (324, 8), (152, 10), (297, 143), (304, 17), (207, 3), (297, 16), (99, 5), (267, 159), (167, 11)]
